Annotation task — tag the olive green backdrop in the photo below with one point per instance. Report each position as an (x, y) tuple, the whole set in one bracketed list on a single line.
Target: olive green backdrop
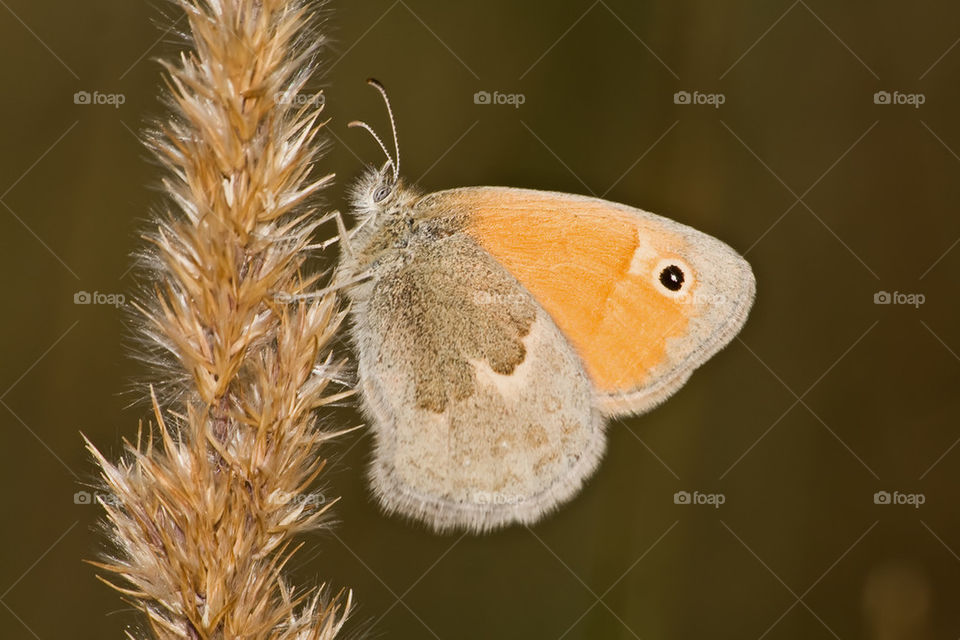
[(826, 399)]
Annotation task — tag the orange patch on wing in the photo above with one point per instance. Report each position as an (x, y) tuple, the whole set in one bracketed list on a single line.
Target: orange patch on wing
[(575, 257)]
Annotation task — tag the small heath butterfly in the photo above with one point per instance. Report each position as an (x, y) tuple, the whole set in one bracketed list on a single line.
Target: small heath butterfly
[(497, 329)]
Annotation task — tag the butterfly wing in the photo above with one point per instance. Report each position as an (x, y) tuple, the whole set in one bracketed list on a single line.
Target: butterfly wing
[(605, 273), (481, 410)]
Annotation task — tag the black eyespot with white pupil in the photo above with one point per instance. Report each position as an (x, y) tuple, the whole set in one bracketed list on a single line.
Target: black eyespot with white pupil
[(381, 193), (672, 277)]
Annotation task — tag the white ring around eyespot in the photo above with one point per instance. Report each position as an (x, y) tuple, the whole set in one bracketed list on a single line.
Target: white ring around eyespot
[(688, 278)]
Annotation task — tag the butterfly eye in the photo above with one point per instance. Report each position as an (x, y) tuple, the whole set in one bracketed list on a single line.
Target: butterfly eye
[(381, 193), (672, 277)]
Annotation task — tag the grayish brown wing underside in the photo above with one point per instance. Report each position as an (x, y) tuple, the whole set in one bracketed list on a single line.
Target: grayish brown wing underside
[(481, 410)]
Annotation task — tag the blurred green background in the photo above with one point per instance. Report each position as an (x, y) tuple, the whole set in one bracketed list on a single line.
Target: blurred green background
[(826, 400)]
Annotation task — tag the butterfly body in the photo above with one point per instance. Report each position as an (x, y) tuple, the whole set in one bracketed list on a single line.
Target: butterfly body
[(497, 329)]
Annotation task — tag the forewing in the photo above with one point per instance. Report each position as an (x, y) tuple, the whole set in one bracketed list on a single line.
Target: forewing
[(594, 266)]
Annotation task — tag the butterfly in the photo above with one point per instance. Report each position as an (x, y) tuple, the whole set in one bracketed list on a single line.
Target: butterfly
[(497, 330)]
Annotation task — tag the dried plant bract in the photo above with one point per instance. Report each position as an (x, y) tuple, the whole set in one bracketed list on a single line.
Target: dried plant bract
[(208, 503)]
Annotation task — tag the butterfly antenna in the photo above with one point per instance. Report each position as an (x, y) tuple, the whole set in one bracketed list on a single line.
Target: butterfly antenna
[(393, 123), (383, 147)]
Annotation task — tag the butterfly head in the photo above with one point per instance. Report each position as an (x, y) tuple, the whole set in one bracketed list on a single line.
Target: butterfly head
[(377, 191), (381, 191)]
